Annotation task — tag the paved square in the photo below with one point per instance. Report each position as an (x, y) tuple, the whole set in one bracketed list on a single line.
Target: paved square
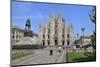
[(42, 56)]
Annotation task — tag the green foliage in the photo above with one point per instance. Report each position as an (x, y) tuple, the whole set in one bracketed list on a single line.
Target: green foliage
[(81, 57), (93, 15), (93, 19), (93, 41)]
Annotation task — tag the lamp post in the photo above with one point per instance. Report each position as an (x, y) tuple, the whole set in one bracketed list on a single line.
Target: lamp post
[(83, 29), (77, 36)]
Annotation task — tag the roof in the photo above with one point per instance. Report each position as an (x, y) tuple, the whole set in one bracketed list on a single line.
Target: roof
[(85, 37), (18, 28)]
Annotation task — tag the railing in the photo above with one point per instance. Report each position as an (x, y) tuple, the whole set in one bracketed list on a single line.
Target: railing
[(24, 51), (79, 50)]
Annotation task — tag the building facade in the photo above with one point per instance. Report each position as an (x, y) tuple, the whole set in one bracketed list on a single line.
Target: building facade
[(85, 40), (17, 33), (56, 32)]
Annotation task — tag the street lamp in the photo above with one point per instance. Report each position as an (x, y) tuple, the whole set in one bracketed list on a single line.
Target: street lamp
[(77, 36), (83, 29)]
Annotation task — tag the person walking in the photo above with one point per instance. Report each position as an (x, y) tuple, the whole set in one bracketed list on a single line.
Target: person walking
[(60, 49)]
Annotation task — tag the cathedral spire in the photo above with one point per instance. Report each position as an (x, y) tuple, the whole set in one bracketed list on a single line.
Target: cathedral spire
[(71, 28), (51, 14), (71, 25), (60, 14), (40, 26)]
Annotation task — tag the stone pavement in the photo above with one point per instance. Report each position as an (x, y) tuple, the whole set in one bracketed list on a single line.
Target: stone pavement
[(42, 56)]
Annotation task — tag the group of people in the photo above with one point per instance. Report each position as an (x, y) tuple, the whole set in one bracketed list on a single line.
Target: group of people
[(60, 49)]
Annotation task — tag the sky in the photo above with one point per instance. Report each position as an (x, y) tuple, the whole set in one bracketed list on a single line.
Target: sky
[(39, 13)]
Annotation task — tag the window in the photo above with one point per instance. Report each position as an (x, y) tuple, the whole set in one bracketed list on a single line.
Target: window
[(62, 35), (67, 42), (56, 42), (43, 36), (67, 35), (13, 36), (63, 42), (63, 31), (48, 42), (43, 42)]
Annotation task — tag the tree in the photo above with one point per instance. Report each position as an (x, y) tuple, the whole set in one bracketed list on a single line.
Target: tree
[(92, 16), (93, 41)]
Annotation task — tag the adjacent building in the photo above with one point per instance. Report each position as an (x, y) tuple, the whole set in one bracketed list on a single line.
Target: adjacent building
[(85, 40), (18, 33)]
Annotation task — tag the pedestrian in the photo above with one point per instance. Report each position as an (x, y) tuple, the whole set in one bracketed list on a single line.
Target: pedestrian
[(51, 51), (74, 47), (60, 51)]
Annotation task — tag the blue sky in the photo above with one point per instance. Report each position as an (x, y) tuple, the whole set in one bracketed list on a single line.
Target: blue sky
[(39, 13)]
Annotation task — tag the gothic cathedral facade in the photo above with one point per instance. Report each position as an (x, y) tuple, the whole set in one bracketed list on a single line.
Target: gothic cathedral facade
[(56, 32)]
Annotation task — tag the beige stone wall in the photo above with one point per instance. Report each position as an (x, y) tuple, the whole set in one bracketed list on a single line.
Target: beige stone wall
[(16, 34), (86, 41), (71, 34), (40, 33), (60, 31), (65, 35), (46, 35)]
